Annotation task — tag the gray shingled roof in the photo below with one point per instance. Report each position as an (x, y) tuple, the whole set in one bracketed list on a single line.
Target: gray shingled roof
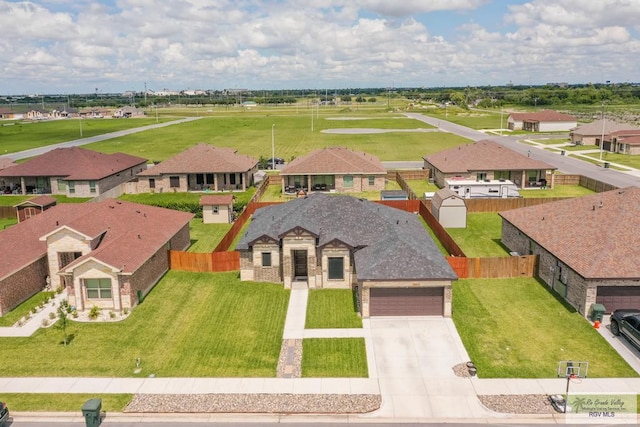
[(595, 128), (391, 244)]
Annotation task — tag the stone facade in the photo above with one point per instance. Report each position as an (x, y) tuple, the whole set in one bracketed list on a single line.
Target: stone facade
[(22, 284)]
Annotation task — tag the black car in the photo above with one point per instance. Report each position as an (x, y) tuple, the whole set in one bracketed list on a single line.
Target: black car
[(4, 414), (627, 322)]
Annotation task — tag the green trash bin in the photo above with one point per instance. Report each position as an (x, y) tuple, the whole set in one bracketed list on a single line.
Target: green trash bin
[(597, 312), (91, 412), (606, 165)]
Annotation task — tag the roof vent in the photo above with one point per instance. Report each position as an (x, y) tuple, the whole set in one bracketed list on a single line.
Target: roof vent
[(593, 208), (139, 236), (57, 223), (601, 204)]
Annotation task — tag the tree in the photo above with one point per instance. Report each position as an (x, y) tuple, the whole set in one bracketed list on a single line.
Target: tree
[(62, 323)]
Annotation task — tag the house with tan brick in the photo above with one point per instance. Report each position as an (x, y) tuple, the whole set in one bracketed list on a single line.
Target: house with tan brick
[(107, 254), (591, 133), (541, 121), (73, 172), (202, 167), (337, 169), (383, 254), (488, 161), (587, 247)]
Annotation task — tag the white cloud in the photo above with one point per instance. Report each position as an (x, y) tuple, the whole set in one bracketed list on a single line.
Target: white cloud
[(297, 43)]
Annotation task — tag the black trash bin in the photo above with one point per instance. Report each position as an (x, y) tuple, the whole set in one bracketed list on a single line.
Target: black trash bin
[(597, 312), (606, 165), (91, 412)]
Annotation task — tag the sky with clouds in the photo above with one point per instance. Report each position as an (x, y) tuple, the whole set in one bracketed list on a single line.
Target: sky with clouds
[(78, 46)]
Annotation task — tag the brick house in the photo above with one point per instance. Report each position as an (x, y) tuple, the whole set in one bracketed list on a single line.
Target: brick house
[(73, 172), (591, 133), (488, 160), (5, 186), (334, 168), (335, 241), (622, 141), (541, 121), (106, 253), (586, 246), (202, 167)]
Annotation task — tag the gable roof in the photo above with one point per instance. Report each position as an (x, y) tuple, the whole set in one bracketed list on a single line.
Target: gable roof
[(444, 194), (203, 158), (6, 162), (40, 201), (595, 128), (74, 163), (334, 160), (391, 244), (216, 199), (597, 236), (130, 233), (543, 116), (481, 156)]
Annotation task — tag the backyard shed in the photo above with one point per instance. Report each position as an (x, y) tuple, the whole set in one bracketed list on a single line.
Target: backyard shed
[(217, 208), (449, 209), (32, 207)]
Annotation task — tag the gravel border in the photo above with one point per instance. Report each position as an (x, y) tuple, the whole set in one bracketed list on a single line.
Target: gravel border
[(518, 403), (255, 403)]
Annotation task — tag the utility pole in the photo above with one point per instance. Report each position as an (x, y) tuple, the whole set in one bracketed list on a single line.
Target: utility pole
[(273, 146), (604, 120)]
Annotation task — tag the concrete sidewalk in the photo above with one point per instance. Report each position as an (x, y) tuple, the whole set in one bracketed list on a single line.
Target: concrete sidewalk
[(35, 322)]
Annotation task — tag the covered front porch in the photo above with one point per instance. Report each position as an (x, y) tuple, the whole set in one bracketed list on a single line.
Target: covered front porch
[(308, 183), (26, 185)]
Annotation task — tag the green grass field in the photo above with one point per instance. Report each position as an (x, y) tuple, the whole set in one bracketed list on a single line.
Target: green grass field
[(332, 308), (7, 222), (622, 159), (558, 191), (190, 325), (251, 135), (334, 358), (421, 186), (70, 402), (482, 236), (472, 119), (25, 308), (516, 328), (27, 135), (12, 200)]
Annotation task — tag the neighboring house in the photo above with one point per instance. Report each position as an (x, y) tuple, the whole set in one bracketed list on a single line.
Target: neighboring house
[(334, 168), (6, 113), (587, 246), (5, 186), (127, 111), (449, 209), (622, 141), (202, 167), (32, 207), (591, 133), (63, 112), (335, 241), (541, 121), (94, 113), (73, 172), (107, 254), (217, 209), (36, 114), (488, 160)]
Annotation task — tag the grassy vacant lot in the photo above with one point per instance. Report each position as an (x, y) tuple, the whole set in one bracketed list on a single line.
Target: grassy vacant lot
[(190, 325), (550, 141), (558, 191), (205, 237), (516, 328), (472, 119), (334, 357), (622, 159), (482, 236), (360, 121), (251, 135), (332, 308), (27, 135), (47, 402)]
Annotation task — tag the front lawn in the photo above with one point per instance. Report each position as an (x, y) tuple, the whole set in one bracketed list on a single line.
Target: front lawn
[(7, 222), (332, 308), (632, 161), (69, 402), (516, 328), (482, 236), (25, 308), (205, 237), (334, 358), (190, 325)]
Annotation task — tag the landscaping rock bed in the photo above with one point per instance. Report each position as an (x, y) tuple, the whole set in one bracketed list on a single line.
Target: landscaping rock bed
[(518, 404), (255, 403)]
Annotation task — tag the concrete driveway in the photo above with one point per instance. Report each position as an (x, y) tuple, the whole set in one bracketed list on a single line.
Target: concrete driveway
[(414, 357)]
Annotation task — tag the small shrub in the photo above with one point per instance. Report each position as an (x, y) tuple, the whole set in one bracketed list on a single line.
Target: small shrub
[(45, 323), (59, 290), (125, 310), (52, 315), (20, 323), (74, 313), (46, 299), (27, 316), (34, 310), (94, 312), (112, 315)]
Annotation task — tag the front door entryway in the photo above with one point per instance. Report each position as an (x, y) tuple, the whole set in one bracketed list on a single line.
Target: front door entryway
[(300, 264)]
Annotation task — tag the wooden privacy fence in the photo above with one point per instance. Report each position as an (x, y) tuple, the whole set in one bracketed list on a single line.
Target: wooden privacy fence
[(204, 262), (8, 212), (445, 239), (493, 268), (500, 205)]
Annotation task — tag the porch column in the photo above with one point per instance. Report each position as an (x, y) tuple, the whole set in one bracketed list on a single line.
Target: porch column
[(23, 185), (215, 182), (282, 178)]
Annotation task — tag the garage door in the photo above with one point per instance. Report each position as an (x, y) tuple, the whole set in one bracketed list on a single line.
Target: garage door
[(406, 301), (615, 297)]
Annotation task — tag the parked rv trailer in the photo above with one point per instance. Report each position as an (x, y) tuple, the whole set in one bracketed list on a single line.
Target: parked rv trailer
[(470, 189)]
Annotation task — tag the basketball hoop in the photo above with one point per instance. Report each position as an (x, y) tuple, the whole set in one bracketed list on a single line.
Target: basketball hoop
[(573, 372)]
